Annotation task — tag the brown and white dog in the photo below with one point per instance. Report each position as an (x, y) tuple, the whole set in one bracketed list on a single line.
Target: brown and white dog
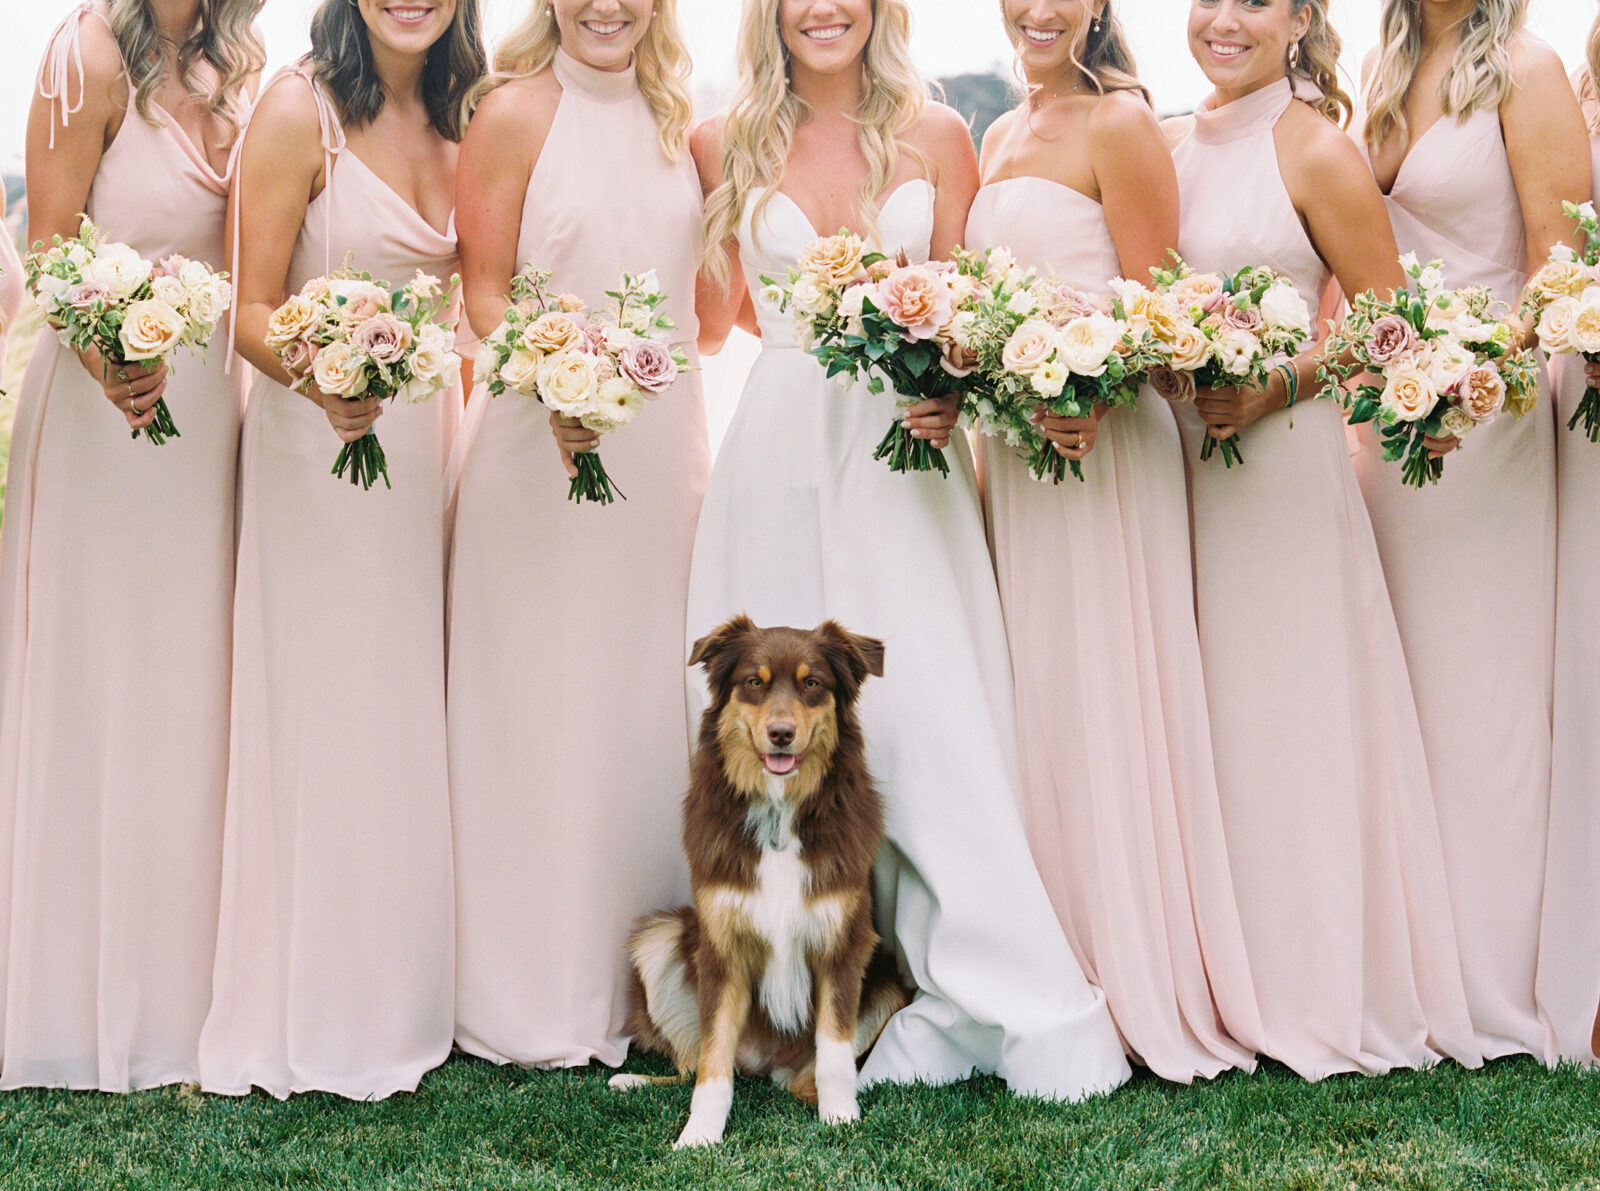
[(775, 967)]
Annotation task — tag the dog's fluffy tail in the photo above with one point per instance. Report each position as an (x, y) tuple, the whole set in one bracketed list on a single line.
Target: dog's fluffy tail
[(663, 1004)]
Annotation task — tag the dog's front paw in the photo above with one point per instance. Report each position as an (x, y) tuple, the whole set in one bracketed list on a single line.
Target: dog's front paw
[(839, 1110), (697, 1134), (626, 1083)]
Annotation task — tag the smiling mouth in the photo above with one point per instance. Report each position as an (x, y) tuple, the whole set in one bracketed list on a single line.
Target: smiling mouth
[(409, 16), (1042, 36), (605, 28), (827, 32), (1226, 49)]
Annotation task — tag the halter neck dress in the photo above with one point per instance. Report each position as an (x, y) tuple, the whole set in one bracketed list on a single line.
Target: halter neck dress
[(1118, 786), (565, 830), (1568, 984), (800, 523), (335, 951), (1326, 805), (1471, 564), (116, 589)]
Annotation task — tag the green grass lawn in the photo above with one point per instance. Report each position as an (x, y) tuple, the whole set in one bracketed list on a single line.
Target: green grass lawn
[(475, 1125)]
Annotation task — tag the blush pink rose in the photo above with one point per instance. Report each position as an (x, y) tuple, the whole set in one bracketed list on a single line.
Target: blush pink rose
[(383, 337), (298, 357), (1482, 393), (85, 294), (1389, 338), (649, 365), (1243, 319), (916, 299)]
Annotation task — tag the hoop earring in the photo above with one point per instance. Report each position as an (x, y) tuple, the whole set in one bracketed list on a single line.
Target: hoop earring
[(1294, 54)]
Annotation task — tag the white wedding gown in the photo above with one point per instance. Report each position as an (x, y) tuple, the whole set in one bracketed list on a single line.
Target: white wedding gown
[(799, 524)]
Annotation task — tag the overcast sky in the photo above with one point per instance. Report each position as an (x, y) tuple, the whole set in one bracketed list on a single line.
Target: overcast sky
[(952, 36)]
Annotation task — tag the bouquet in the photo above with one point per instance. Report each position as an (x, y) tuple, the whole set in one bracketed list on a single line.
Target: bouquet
[(862, 314), (1216, 330), (1432, 361), (598, 368), (103, 294), (1038, 343), (358, 338), (1564, 295)]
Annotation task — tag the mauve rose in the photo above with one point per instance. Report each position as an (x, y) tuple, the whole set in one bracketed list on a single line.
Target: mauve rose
[(383, 337), (298, 358), (1389, 338), (1243, 318), (918, 300), (958, 360), (1172, 384), (85, 294), (649, 365)]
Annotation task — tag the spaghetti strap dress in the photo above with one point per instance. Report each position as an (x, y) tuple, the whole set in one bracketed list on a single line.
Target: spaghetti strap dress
[(116, 597), (563, 615), (335, 949), (1118, 786), (1327, 809), (1471, 566)]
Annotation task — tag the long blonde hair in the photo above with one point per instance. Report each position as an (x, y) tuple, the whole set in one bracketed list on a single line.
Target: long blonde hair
[(1479, 75), (1317, 62), (1588, 95), (764, 112), (225, 38), (1107, 61), (661, 62)]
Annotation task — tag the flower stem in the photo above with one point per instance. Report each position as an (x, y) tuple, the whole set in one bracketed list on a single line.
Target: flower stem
[(904, 452)]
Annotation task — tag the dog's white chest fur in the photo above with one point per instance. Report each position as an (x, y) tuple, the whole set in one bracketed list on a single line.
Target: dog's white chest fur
[(779, 911)]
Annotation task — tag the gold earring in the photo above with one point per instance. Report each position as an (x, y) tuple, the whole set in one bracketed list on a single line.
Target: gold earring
[(1294, 54)]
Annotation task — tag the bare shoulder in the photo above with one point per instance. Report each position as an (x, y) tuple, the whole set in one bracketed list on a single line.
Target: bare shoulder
[(1318, 158), (1534, 62), (705, 146), (519, 110), (103, 69), (940, 128), (284, 126), (1121, 115)]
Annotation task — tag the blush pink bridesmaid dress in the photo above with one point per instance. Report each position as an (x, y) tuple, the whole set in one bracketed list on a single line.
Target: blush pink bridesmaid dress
[(568, 756), (1470, 563), (335, 947), (1117, 779), (1568, 982), (12, 289), (116, 592), (1326, 805)]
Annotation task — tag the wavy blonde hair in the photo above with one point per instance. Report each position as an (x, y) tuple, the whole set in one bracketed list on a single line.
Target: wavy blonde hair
[(661, 62), (225, 39), (764, 112), (1587, 93), (1317, 62), (1107, 61), (1479, 76)]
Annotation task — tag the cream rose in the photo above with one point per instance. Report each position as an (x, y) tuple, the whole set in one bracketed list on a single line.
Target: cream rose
[(1559, 279), (209, 303), (1446, 363), (1284, 309), (1555, 324), (1189, 349), (1408, 395), (552, 332), (117, 267), (150, 329), (1584, 333), (1085, 344), (341, 370), (521, 371), (832, 260), (567, 382), (166, 289), (292, 320), (1457, 422), (1029, 346)]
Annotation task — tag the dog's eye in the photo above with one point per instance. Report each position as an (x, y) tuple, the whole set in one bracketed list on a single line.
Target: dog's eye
[(811, 684), (754, 682)]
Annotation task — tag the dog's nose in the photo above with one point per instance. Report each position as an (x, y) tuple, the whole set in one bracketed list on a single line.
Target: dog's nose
[(781, 735)]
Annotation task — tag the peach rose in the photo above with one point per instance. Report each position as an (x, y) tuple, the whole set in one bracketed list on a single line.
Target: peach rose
[(1483, 393), (1189, 349), (150, 329), (1559, 279), (918, 300), (832, 260), (571, 303), (553, 332), (341, 370), (292, 320), (1030, 345), (1202, 290), (1409, 395)]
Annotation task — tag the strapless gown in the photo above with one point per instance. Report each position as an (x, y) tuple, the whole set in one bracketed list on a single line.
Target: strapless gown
[(800, 523)]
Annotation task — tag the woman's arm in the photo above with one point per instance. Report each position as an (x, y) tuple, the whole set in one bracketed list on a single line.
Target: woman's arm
[(718, 307), (1138, 182), (947, 143), (1547, 145), (498, 153)]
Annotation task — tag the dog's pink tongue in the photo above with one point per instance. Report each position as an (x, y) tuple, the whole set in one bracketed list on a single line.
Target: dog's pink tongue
[(780, 763)]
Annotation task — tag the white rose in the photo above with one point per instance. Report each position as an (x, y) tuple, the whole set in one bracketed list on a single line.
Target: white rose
[(1235, 352), (1284, 308), (1555, 324), (150, 329), (1022, 302), (1086, 343), (430, 359), (194, 275), (567, 382), (169, 290), (1408, 395), (210, 302), (1445, 362), (1584, 332), (1458, 422), (119, 268), (521, 371), (808, 297)]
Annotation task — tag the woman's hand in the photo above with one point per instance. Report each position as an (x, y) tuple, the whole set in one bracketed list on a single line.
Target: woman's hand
[(1228, 409), (573, 438), (1591, 373), (350, 417), (933, 419), (1438, 448), (1073, 437), (132, 388)]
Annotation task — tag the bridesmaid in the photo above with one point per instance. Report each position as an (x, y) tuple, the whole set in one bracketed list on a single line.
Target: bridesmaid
[(1474, 134), (335, 950), (1330, 827), (116, 576), (830, 126), (1568, 984), (1096, 581), (566, 821)]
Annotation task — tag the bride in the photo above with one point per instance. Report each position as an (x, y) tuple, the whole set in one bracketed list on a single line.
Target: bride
[(830, 127)]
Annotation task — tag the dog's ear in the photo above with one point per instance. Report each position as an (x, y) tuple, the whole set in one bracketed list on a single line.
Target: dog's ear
[(861, 655), (717, 651)]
